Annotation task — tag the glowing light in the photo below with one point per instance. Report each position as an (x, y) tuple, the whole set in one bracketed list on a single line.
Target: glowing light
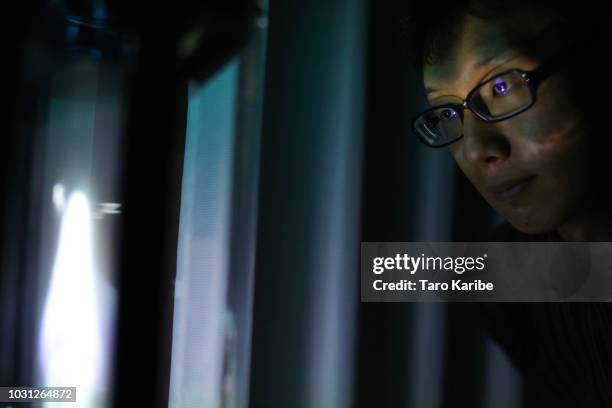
[(70, 349), (110, 208), (59, 197), (501, 87)]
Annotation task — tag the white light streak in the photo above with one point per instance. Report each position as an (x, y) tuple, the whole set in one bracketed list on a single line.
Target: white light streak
[(70, 346)]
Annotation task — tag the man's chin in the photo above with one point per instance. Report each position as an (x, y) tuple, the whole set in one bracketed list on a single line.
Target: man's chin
[(530, 227)]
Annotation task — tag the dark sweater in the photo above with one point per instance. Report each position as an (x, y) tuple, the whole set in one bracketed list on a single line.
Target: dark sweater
[(563, 350)]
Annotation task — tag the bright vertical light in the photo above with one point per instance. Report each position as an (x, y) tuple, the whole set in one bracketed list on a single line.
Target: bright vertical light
[(59, 197), (70, 348)]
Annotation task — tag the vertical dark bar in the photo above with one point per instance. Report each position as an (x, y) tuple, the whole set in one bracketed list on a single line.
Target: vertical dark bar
[(465, 358), (390, 208), (10, 153), (154, 160), (16, 115)]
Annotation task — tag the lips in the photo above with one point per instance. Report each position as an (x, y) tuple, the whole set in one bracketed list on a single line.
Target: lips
[(510, 189)]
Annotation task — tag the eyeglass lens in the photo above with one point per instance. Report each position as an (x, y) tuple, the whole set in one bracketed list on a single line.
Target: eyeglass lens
[(499, 97)]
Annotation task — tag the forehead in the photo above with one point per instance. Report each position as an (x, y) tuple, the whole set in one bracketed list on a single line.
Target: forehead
[(478, 43)]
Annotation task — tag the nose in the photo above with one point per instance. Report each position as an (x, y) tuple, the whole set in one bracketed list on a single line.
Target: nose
[(485, 144)]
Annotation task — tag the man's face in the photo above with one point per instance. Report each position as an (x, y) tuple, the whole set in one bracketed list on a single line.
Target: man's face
[(531, 168)]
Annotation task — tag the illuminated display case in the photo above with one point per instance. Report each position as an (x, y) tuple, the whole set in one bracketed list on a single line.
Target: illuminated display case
[(104, 102)]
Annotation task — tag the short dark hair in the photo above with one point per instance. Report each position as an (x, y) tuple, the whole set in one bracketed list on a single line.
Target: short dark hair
[(534, 27)]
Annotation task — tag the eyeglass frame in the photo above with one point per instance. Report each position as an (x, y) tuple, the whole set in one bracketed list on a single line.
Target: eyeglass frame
[(533, 79)]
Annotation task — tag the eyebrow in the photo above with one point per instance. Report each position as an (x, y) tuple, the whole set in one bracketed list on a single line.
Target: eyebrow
[(480, 63)]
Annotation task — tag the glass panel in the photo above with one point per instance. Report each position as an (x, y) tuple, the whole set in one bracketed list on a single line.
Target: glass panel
[(216, 253), (201, 320)]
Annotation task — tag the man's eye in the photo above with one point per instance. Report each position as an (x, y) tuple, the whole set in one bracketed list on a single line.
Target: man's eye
[(448, 114), (501, 87)]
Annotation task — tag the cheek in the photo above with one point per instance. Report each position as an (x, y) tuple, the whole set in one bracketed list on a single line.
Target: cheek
[(557, 151), (551, 140), (553, 113)]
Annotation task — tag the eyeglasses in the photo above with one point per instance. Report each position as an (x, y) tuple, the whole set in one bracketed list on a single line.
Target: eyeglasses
[(501, 97)]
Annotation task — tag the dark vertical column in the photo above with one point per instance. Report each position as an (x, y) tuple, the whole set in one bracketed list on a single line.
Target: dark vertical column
[(464, 370), (307, 274), (17, 115), (391, 202), (154, 159)]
